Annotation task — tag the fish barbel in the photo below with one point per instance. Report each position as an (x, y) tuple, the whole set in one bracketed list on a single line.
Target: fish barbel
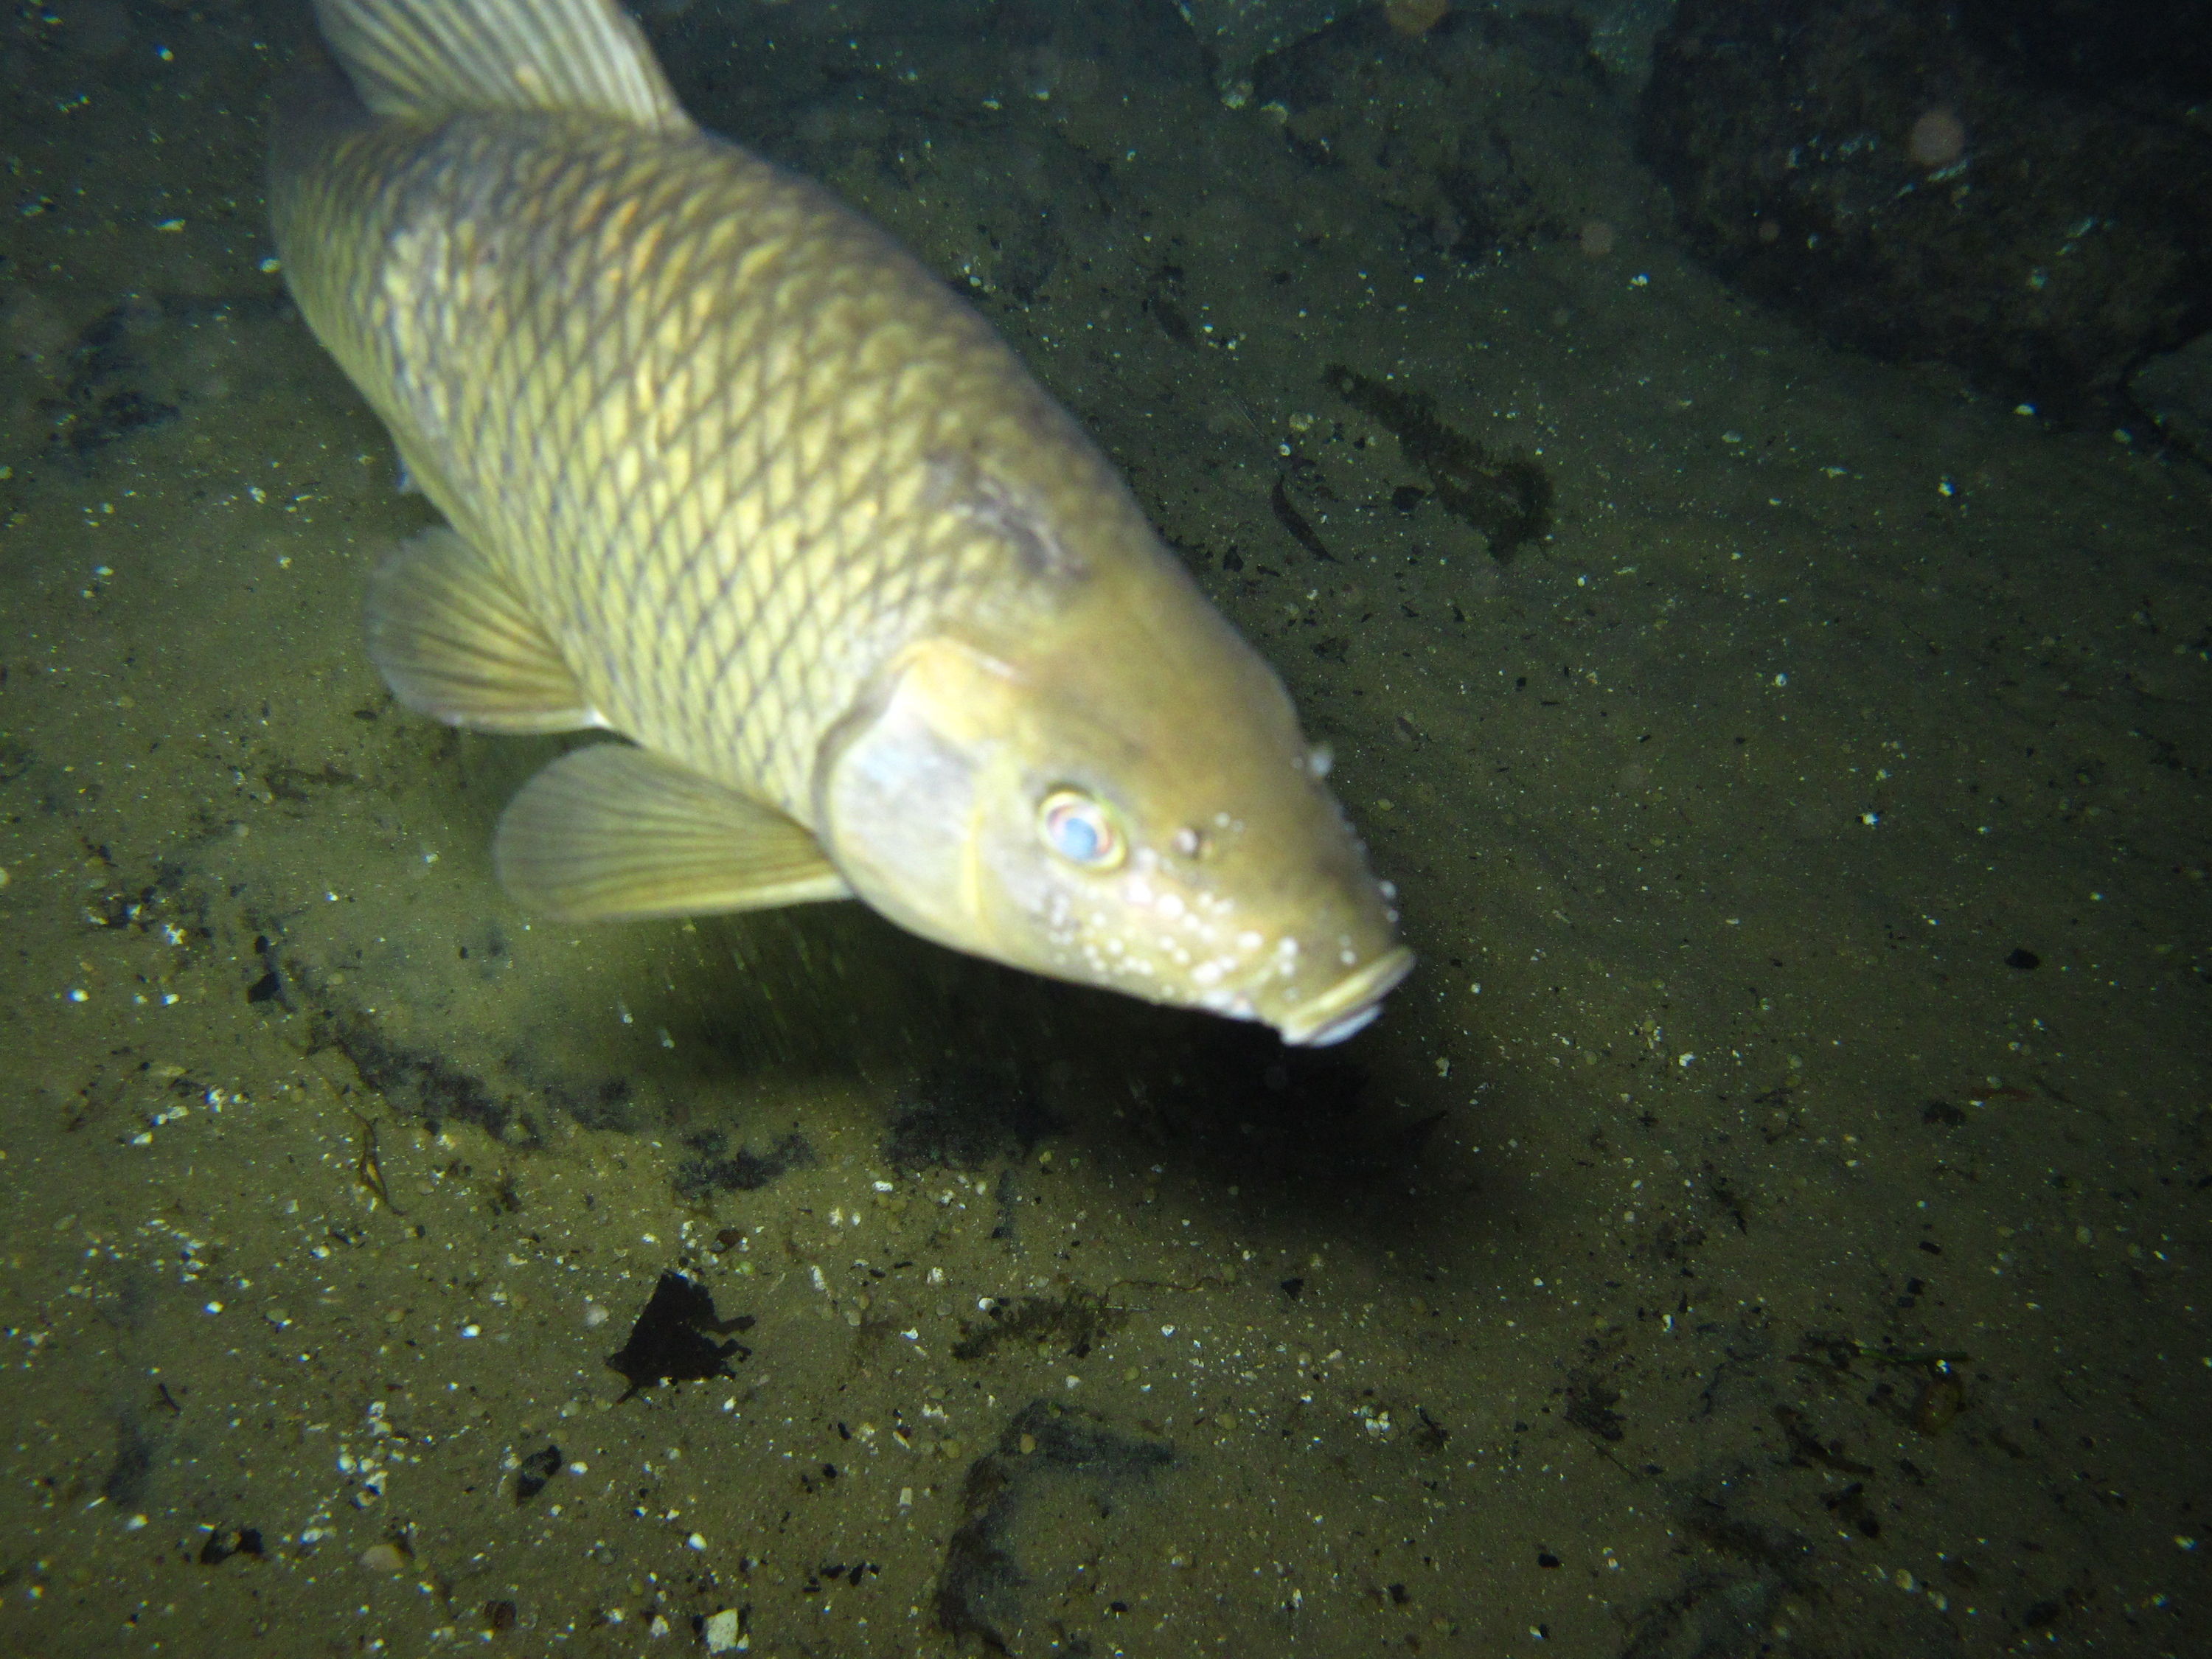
[(728, 473)]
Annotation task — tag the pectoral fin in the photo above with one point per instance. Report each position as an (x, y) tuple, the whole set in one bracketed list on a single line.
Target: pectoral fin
[(613, 833), (452, 640)]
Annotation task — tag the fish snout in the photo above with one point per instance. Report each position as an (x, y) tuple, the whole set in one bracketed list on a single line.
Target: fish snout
[(1347, 1007)]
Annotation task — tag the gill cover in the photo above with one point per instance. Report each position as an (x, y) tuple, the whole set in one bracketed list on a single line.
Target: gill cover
[(904, 784)]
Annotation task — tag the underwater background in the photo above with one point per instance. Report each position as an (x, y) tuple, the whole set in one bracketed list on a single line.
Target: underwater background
[(1772, 668)]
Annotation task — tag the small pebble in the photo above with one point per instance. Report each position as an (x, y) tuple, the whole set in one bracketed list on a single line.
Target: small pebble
[(385, 1557)]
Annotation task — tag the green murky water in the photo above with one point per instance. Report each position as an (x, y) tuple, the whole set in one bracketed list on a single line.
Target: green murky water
[(1767, 1223)]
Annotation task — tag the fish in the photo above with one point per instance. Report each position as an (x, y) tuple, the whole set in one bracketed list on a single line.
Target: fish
[(727, 474)]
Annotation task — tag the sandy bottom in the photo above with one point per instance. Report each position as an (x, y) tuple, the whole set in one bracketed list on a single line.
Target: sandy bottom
[(1764, 1225)]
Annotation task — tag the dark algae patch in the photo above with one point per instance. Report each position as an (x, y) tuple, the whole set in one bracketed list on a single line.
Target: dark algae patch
[(417, 1080), (1591, 1406), (1508, 499), (1048, 1451), (716, 1169), (98, 405), (965, 1116), (1071, 1324)]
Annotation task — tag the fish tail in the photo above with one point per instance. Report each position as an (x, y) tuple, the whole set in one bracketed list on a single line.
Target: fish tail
[(427, 58)]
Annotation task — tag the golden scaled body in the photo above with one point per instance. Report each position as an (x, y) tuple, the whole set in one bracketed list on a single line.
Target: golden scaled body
[(728, 473)]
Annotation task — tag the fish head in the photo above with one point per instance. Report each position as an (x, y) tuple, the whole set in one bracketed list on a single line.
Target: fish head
[(1119, 796)]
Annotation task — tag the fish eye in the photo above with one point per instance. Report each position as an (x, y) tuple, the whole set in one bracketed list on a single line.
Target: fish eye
[(1079, 829)]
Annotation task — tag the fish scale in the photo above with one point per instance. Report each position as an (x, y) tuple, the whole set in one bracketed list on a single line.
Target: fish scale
[(730, 474), (632, 378)]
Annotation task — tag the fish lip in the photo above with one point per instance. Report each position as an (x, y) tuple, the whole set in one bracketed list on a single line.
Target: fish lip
[(1348, 1005)]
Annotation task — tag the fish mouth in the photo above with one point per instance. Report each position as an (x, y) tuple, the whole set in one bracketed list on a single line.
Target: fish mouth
[(1349, 1005)]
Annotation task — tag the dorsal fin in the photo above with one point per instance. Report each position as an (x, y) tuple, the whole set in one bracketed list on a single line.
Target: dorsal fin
[(431, 58)]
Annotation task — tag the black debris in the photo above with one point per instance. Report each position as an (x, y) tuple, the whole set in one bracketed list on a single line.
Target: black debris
[(1162, 301), (1288, 516), (673, 1338), (270, 985), (2025, 961), (537, 1469), (833, 1571), (239, 1540), (1850, 1505)]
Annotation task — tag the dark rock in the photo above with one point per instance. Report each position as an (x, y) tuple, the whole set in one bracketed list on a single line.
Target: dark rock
[(1590, 1406), (1946, 182), (2175, 389)]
